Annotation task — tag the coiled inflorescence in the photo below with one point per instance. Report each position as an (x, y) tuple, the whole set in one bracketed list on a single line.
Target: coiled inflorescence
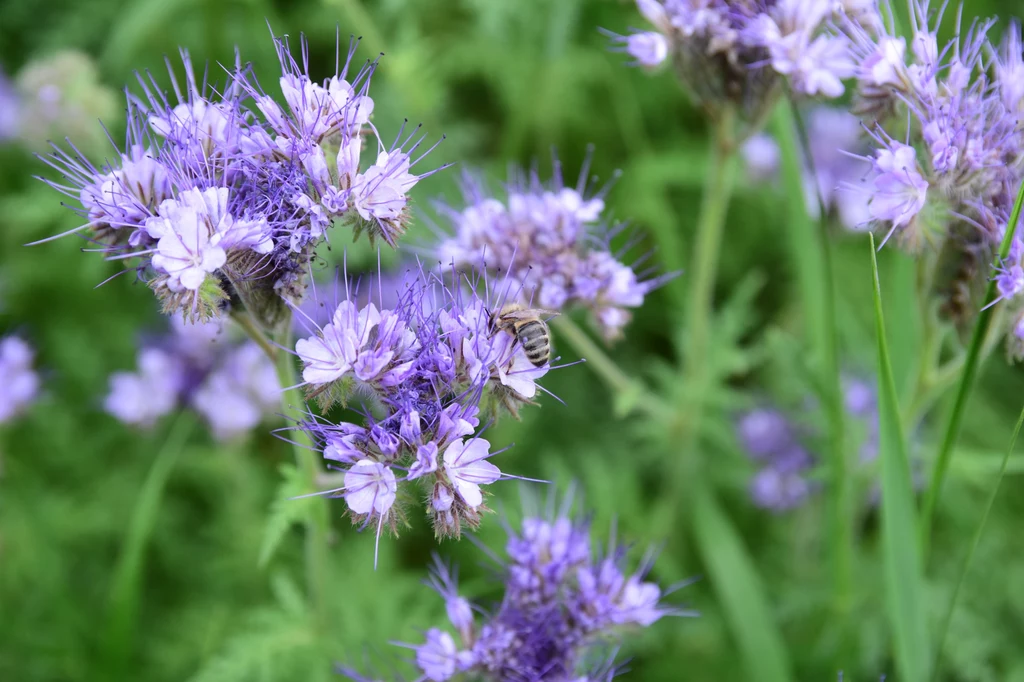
[(734, 54), (548, 241), (222, 195), (563, 603), (424, 371)]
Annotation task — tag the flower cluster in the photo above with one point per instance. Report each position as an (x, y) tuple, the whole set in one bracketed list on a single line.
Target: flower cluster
[(549, 242), (19, 383), (425, 370), (223, 195), (832, 133), (960, 159), (232, 386), (735, 53), (777, 444), (563, 602)]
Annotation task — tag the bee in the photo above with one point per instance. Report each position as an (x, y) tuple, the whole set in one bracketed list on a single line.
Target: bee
[(526, 327)]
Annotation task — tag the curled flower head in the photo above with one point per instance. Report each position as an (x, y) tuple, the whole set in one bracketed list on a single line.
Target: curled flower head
[(222, 195), (565, 601), (19, 383), (549, 246), (734, 55), (959, 107), (428, 364)]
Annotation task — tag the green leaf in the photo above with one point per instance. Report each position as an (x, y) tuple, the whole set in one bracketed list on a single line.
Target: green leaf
[(900, 550), (963, 391), (944, 629), (127, 581), (284, 511), (739, 589)]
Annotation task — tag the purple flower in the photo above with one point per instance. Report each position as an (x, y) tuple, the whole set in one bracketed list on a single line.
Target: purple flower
[(562, 605), (550, 246), (140, 398), (900, 190), (732, 55), (19, 383), (964, 121), (437, 657), (427, 366), (764, 432), (465, 462), (240, 392), (779, 490), (222, 196), (232, 385)]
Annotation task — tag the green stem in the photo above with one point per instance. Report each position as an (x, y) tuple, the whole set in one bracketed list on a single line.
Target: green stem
[(704, 268), (981, 328), (813, 256), (306, 458), (629, 393), (124, 591), (245, 321)]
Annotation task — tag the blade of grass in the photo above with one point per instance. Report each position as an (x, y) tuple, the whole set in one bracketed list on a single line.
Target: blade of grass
[(963, 391), (739, 590), (966, 567), (124, 590), (900, 551)]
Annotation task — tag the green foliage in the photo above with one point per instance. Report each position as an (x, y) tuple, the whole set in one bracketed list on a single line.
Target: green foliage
[(220, 576)]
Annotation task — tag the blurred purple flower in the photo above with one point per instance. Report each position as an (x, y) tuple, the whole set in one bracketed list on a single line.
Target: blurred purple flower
[(10, 109), (19, 383), (232, 385), (734, 55), (777, 444), (835, 138)]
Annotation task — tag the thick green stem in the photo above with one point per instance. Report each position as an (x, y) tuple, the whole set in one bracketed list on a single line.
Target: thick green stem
[(974, 354), (307, 460), (629, 393), (812, 253), (245, 321), (704, 265), (124, 591)]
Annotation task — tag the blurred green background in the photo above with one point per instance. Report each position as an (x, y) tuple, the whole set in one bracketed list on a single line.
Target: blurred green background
[(506, 82)]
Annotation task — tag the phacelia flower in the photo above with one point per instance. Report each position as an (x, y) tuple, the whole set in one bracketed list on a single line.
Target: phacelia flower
[(735, 54), (834, 136), (565, 603), (19, 383), (956, 109), (222, 196), (780, 446), (421, 371), (549, 243), (232, 385)]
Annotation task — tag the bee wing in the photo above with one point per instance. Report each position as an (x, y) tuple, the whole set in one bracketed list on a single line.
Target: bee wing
[(528, 314)]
